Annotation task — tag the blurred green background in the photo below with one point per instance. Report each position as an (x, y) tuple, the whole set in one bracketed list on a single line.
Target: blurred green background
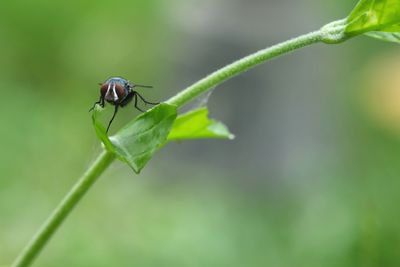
[(312, 178)]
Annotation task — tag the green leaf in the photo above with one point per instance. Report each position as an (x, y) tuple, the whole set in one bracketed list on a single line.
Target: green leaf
[(136, 143), (385, 36), (374, 15), (101, 129), (195, 124)]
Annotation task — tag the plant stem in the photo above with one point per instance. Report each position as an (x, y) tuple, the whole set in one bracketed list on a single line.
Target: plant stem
[(331, 33), (64, 208), (243, 65)]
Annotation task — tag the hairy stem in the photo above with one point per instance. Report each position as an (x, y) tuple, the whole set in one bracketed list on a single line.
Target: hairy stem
[(331, 33), (242, 65), (64, 208)]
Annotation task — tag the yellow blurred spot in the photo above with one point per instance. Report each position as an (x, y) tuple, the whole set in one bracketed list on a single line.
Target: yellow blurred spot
[(382, 91)]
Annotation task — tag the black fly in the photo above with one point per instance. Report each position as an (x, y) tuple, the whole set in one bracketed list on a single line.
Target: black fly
[(119, 92)]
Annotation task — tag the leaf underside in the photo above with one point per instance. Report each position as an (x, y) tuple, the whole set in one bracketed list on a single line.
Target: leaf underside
[(393, 37)]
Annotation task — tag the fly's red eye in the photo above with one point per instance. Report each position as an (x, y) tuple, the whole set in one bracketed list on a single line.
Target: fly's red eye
[(120, 90), (103, 89)]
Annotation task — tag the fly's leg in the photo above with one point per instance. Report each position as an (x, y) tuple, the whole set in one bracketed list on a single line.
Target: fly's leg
[(136, 102), (115, 113), (145, 101), (100, 102)]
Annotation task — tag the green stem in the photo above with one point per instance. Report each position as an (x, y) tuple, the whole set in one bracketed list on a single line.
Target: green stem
[(64, 208), (331, 33), (242, 65)]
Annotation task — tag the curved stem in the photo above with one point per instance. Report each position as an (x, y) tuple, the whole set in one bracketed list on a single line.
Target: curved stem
[(331, 33), (243, 65), (64, 208)]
